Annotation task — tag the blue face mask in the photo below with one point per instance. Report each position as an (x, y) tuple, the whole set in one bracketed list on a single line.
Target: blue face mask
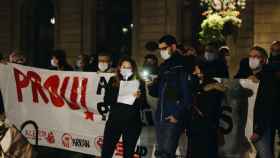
[(126, 73)]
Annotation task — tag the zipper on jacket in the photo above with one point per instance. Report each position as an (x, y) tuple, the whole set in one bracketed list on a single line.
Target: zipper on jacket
[(161, 102)]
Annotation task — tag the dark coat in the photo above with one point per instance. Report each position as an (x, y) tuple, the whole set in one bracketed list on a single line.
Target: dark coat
[(206, 112), (172, 88), (216, 68), (207, 106), (122, 112), (267, 106)]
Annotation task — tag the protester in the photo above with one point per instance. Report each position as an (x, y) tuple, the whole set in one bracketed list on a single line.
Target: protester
[(190, 51), (150, 67), (252, 66), (17, 58), (124, 119), (171, 87), (224, 54), (93, 62), (59, 61), (190, 56), (104, 63), (206, 112), (267, 109), (151, 47), (215, 66), (82, 62)]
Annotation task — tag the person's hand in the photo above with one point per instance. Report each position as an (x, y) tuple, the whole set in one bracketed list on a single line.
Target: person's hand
[(152, 80), (171, 119), (137, 94), (253, 78)]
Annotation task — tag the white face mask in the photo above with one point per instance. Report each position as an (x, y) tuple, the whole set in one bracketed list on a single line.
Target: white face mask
[(165, 54), (53, 63), (126, 73), (210, 56), (78, 63), (254, 63), (103, 66)]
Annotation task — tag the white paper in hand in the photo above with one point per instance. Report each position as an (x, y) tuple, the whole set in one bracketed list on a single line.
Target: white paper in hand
[(127, 89)]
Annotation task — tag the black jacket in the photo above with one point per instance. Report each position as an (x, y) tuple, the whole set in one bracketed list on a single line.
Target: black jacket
[(122, 112), (216, 68), (267, 106), (207, 107), (172, 88)]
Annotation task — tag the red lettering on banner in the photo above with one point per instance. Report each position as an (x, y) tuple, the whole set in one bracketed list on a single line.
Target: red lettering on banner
[(119, 149), (64, 86), (20, 83), (83, 93), (74, 94), (36, 87), (52, 84)]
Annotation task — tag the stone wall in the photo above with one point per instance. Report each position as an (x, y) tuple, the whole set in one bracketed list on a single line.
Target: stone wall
[(267, 22), (6, 34)]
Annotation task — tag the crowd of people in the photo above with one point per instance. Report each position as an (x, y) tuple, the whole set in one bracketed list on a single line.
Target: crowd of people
[(189, 96)]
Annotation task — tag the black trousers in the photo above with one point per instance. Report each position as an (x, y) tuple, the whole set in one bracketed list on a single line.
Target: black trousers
[(203, 144), (113, 130)]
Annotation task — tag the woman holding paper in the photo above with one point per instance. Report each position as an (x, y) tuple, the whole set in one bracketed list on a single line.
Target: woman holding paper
[(126, 95)]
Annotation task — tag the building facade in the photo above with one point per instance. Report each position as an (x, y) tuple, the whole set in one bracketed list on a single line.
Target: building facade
[(36, 27)]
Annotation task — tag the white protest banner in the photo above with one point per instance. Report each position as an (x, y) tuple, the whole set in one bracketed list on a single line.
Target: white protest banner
[(66, 106)]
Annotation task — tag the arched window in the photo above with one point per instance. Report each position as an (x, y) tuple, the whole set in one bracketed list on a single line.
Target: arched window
[(37, 30), (114, 27)]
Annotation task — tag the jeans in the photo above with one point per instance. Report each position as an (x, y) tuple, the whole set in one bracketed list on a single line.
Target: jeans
[(265, 145), (167, 135)]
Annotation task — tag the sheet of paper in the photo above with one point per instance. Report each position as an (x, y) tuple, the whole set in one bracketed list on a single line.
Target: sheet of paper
[(127, 89)]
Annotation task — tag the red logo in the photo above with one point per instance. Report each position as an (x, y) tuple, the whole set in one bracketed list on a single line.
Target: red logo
[(50, 139), (98, 141), (67, 140), (42, 135)]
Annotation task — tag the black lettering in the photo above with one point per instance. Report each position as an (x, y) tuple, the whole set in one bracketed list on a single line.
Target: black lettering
[(81, 143), (101, 85), (103, 109), (227, 119)]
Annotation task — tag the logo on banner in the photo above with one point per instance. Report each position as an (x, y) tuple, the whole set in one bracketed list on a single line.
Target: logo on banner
[(98, 142), (68, 142), (42, 134), (50, 138)]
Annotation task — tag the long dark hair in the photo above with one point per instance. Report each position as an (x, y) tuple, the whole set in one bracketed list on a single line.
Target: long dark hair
[(118, 73)]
